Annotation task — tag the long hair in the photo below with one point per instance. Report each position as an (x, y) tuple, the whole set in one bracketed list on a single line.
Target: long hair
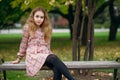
[(45, 26)]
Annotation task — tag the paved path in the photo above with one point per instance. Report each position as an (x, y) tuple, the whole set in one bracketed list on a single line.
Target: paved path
[(54, 31)]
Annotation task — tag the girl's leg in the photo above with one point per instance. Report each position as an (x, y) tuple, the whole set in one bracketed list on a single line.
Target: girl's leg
[(57, 74), (59, 65)]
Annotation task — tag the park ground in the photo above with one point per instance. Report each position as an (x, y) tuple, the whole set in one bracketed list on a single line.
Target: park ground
[(48, 75), (61, 46)]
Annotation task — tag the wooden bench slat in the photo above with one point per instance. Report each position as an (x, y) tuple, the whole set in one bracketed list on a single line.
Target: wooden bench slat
[(93, 64), (69, 64)]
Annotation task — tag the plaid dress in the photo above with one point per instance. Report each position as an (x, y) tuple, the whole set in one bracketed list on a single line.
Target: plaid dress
[(36, 50)]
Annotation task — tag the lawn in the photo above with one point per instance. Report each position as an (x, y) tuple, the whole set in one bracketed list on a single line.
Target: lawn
[(61, 45)]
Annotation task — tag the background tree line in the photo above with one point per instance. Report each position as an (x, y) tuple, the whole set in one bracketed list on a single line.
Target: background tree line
[(13, 10)]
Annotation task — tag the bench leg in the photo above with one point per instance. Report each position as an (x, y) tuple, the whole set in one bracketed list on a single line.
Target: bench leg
[(116, 71), (4, 72), (115, 74), (4, 75)]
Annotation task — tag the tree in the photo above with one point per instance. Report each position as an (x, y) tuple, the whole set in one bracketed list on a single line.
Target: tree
[(114, 17), (10, 15), (75, 25), (12, 10), (101, 5), (115, 21)]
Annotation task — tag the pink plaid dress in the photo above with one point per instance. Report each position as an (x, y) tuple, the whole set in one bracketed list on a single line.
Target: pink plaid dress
[(36, 50)]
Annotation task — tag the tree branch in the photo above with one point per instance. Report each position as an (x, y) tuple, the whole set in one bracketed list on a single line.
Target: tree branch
[(101, 9), (57, 11)]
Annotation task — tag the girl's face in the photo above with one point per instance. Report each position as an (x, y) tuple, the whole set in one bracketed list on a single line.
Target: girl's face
[(38, 18)]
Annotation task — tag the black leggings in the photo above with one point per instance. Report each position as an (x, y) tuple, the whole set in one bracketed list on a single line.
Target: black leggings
[(58, 67)]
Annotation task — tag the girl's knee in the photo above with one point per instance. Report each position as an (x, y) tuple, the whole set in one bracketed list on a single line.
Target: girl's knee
[(52, 57)]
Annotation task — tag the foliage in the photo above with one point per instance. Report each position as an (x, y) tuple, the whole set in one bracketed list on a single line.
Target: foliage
[(9, 15), (47, 4), (25, 4), (13, 10), (3, 9)]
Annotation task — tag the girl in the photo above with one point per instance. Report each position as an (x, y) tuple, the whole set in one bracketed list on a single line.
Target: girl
[(36, 45)]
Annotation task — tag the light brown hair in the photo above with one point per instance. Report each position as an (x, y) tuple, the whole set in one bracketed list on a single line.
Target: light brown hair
[(45, 26)]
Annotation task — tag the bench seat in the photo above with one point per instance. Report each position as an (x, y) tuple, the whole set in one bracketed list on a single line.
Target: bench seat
[(69, 64)]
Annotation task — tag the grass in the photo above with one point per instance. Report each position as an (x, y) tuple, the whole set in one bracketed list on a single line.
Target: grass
[(61, 45)]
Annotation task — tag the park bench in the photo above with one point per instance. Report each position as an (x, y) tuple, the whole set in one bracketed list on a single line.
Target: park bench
[(72, 65)]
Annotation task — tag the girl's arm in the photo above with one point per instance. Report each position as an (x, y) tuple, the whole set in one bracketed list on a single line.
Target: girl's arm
[(24, 41), (23, 45), (48, 44)]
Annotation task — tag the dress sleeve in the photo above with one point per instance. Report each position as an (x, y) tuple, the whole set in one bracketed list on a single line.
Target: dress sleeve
[(48, 44), (24, 41)]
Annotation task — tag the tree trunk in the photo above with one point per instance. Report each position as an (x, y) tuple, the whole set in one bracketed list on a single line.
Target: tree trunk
[(75, 25), (114, 23), (84, 38), (70, 19), (113, 32)]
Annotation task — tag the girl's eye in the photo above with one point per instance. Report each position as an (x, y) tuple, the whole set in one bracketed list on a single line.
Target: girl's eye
[(42, 17), (37, 16)]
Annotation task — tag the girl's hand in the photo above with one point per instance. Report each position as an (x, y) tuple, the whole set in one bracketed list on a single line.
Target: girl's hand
[(16, 61)]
